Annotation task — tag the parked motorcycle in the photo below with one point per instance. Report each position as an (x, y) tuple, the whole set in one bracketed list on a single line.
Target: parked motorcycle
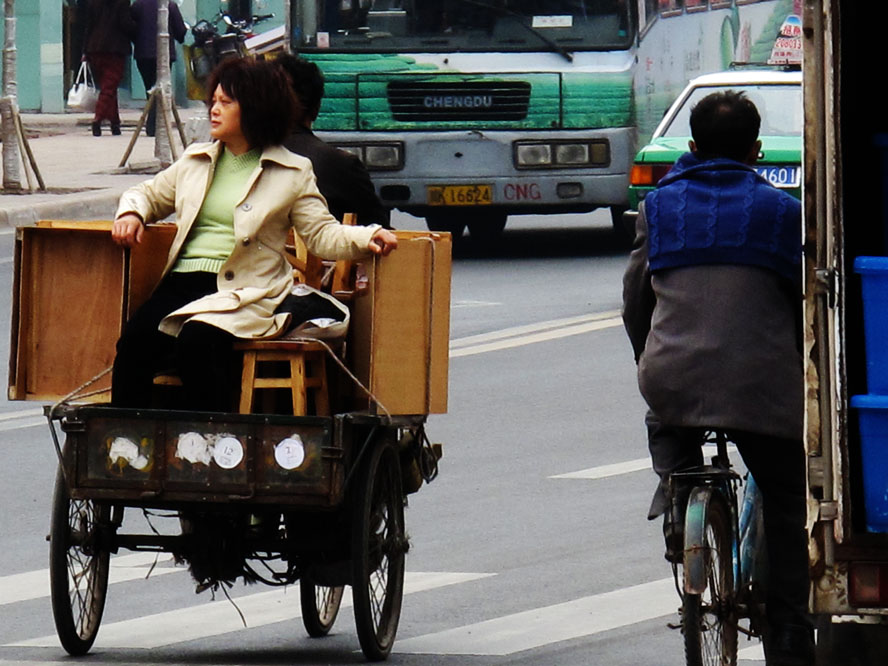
[(211, 47)]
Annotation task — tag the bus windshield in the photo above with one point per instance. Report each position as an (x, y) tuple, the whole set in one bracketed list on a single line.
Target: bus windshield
[(462, 25)]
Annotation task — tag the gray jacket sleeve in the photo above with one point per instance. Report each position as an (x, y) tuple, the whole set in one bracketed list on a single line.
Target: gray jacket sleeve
[(638, 294)]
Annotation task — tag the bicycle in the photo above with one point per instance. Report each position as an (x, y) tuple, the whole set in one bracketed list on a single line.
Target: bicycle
[(720, 576)]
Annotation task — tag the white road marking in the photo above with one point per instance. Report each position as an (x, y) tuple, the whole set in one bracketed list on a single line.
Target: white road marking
[(615, 469), (35, 584), (21, 414), (509, 339), (515, 331), (604, 471), (21, 425), (543, 626), (754, 652), (473, 304), (219, 617)]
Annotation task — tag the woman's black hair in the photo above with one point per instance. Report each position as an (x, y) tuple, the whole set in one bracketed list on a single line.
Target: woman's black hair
[(268, 104)]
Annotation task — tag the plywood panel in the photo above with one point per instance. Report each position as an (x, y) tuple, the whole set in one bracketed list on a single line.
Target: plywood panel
[(72, 287), (70, 300), (147, 261)]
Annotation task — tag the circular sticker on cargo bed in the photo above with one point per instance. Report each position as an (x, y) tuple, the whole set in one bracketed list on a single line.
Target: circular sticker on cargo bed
[(290, 452), (228, 452)]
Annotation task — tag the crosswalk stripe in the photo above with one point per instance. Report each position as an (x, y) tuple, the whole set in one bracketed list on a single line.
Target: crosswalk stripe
[(604, 471), (35, 584), (21, 414), (754, 652), (625, 467), (19, 425), (542, 626), (219, 617)]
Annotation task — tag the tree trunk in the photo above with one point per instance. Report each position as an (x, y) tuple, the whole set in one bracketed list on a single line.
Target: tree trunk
[(162, 148), (288, 26), (12, 177)]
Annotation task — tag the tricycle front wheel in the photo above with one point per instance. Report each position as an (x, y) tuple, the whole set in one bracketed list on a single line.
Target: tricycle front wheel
[(379, 544), (78, 567), (320, 606)]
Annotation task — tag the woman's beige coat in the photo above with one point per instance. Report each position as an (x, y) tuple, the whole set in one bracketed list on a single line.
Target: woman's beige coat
[(281, 193)]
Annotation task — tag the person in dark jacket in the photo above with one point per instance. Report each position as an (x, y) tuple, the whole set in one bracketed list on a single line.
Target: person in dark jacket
[(145, 45), (342, 178), (110, 28), (712, 297)]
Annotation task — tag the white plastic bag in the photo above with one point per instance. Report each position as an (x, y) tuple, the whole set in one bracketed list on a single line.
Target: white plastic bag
[(83, 94)]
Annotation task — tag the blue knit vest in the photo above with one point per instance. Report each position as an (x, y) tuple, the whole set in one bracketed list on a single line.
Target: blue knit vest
[(719, 211)]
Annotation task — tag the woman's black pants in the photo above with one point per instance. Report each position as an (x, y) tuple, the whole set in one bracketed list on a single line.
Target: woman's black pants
[(201, 354)]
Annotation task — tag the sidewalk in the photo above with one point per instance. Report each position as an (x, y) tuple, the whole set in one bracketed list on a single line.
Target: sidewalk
[(81, 172)]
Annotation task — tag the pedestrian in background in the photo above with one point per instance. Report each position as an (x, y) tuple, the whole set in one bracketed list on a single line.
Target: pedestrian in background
[(144, 14), (109, 29), (342, 178)]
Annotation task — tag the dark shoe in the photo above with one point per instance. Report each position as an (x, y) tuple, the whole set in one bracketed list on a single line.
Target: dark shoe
[(115, 129), (790, 645), (96, 129)]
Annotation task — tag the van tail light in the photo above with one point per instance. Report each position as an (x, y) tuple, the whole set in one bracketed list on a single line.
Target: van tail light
[(647, 175), (869, 585)]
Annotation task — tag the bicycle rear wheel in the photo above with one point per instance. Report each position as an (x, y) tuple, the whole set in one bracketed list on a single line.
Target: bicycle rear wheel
[(709, 619), (379, 544), (78, 568), (320, 606)]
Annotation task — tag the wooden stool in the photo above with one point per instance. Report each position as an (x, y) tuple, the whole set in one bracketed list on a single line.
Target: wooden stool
[(305, 369)]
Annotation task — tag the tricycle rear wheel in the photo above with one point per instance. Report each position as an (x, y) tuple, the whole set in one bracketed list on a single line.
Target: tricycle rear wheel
[(78, 567), (320, 606), (379, 544)]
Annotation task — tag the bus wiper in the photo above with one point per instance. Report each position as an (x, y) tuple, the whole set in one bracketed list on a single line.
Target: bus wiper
[(557, 48)]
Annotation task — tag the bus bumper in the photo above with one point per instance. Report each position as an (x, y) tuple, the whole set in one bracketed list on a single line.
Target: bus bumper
[(486, 161)]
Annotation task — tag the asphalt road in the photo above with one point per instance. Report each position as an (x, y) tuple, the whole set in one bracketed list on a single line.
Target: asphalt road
[(530, 548)]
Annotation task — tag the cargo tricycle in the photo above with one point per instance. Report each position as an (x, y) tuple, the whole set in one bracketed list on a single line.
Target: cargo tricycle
[(266, 495)]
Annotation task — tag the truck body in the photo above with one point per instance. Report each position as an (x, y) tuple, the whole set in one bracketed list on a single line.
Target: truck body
[(845, 216)]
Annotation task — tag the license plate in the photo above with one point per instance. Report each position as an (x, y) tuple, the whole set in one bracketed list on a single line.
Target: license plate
[(781, 176), (459, 195)]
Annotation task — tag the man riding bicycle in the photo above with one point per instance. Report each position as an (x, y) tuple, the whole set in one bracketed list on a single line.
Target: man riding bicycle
[(712, 306)]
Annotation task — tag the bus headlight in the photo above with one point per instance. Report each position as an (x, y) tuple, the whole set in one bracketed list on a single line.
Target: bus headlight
[(384, 156), (377, 156), (533, 155), (561, 154)]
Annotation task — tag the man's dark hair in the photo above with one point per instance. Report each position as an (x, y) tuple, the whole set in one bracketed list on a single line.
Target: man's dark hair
[(307, 82), (725, 124), (267, 103)]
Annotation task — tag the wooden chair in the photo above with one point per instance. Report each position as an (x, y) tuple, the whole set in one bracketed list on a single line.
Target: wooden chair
[(294, 365)]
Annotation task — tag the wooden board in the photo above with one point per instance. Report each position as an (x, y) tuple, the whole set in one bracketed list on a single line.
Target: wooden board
[(72, 288), (401, 325)]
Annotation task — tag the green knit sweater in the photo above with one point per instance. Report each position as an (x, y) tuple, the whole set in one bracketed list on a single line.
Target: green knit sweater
[(211, 239)]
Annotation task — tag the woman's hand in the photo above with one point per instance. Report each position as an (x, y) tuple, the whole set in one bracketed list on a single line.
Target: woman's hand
[(127, 230), (383, 242)]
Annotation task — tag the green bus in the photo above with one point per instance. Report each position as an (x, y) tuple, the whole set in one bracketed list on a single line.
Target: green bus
[(468, 111)]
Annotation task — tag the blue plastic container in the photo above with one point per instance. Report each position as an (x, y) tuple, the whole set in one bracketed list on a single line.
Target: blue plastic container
[(873, 411), (874, 280)]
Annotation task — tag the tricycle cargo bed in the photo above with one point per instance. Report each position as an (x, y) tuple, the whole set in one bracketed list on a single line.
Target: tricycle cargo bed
[(155, 457)]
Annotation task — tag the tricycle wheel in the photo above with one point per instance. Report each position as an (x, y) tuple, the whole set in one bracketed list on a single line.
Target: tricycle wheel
[(78, 567), (378, 547), (320, 605)]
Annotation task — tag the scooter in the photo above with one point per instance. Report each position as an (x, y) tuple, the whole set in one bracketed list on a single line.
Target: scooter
[(211, 47)]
